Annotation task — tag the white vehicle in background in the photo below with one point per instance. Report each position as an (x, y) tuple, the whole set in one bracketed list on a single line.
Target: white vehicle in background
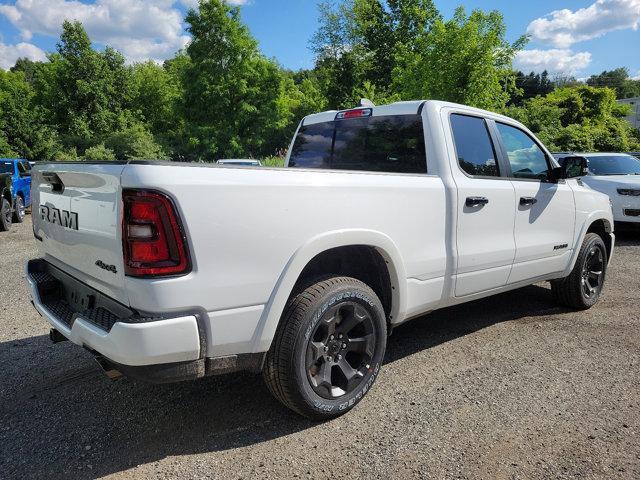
[(618, 176), (172, 271), (240, 162)]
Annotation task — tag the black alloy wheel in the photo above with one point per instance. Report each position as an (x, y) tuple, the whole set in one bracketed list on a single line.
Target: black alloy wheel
[(340, 350), (593, 272), (5, 215), (18, 210), (582, 288), (328, 348)]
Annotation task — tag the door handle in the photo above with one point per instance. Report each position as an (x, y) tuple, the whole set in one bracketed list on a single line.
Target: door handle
[(476, 201), (528, 201)]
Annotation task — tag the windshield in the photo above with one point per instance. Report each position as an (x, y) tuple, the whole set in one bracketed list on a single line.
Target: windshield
[(614, 165), (6, 167)]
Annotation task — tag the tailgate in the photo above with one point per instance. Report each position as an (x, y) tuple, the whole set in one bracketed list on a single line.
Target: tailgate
[(77, 218)]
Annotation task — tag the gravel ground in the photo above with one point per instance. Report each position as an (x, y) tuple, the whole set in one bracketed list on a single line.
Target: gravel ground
[(508, 387)]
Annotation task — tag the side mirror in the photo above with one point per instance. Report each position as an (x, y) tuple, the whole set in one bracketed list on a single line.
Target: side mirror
[(572, 167)]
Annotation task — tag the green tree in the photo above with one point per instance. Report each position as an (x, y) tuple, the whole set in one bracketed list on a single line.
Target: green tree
[(98, 153), (155, 94), (85, 91), (134, 142), (231, 90), (617, 79), (28, 67), (613, 79), (299, 96), (580, 118), (630, 88), (66, 155), (5, 148), (359, 41), (531, 85), (465, 60), (23, 130)]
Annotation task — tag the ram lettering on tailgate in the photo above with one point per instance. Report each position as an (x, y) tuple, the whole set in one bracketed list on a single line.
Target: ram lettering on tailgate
[(56, 216)]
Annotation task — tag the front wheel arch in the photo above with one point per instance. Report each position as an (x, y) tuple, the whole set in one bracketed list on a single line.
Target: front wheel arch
[(604, 229), (600, 224)]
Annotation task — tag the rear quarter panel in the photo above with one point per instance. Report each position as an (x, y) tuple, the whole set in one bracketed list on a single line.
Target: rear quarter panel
[(251, 230)]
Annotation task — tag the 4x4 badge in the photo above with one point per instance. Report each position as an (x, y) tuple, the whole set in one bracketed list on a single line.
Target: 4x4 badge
[(104, 266)]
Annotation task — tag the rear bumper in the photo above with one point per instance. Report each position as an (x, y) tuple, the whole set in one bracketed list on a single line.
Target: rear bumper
[(110, 329)]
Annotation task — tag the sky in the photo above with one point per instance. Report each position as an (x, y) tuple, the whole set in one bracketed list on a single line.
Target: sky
[(571, 37)]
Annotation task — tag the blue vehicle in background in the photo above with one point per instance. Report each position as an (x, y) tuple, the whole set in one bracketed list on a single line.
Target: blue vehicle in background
[(20, 171)]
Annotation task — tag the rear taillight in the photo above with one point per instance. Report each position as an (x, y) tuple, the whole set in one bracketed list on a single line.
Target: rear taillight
[(152, 236)]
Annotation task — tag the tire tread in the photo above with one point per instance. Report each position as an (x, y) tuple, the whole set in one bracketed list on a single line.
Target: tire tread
[(567, 291), (278, 369)]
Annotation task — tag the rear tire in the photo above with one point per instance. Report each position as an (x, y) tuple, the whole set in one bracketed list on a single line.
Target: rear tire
[(18, 210), (328, 348), (582, 288), (5, 215)]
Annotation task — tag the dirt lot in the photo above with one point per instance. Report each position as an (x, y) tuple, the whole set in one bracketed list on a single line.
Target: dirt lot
[(508, 387)]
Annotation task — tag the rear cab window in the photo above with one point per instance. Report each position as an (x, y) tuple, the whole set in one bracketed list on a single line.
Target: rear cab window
[(387, 143), (474, 149)]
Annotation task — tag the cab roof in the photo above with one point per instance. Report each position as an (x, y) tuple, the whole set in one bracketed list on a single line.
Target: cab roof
[(400, 108)]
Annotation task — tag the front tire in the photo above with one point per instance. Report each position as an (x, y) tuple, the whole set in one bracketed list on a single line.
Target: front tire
[(328, 348), (582, 288), (5, 215), (18, 210)]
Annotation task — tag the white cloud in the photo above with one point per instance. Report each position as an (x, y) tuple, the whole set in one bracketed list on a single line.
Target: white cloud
[(140, 30), (554, 60), (10, 53), (563, 28)]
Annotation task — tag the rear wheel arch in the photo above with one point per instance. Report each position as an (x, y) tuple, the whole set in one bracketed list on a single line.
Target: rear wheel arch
[(362, 262), (294, 277)]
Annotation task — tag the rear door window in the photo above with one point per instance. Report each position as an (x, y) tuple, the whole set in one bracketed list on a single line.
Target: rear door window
[(474, 148), (390, 143)]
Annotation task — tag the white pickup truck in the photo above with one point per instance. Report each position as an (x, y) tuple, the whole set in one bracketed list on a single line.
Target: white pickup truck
[(169, 272)]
